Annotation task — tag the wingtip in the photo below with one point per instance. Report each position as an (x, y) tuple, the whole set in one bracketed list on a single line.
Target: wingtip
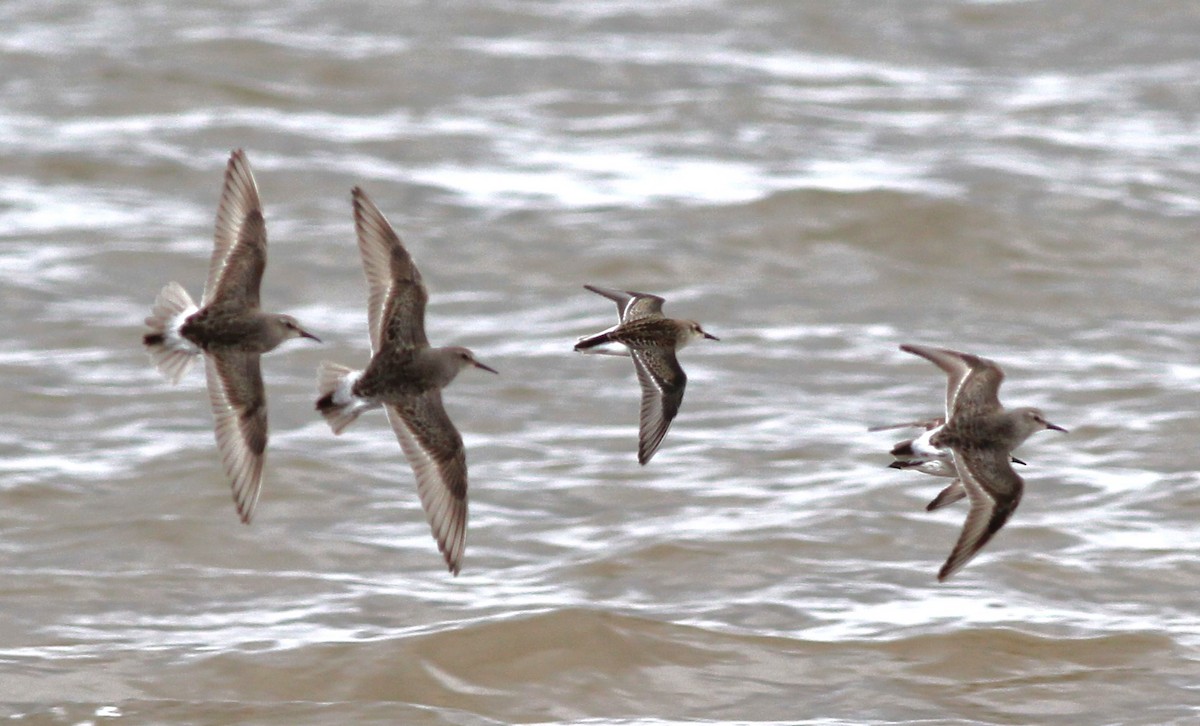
[(923, 351), (238, 164), (454, 543), (645, 454), (245, 498), (617, 296), (362, 203), (949, 568)]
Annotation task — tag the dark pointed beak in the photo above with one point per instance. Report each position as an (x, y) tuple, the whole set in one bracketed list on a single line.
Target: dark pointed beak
[(1056, 427), (710, 336), (1015, 460), (305, 334), (489, 369)]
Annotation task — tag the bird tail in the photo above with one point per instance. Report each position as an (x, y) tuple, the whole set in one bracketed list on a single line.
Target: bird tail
[(602, 344), (172, 353), (591, 341), (337, 401)]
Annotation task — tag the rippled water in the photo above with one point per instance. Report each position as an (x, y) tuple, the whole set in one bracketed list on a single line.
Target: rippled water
[(815, 182)]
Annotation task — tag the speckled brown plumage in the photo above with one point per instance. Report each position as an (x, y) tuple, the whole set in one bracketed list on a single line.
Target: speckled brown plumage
[(652, 339)]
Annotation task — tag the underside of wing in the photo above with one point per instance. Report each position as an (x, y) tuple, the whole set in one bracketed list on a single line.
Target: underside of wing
[(240, 241), (953, 492), (995, 491), (396, 295), (239, 407), (662, 381), (435, 451)]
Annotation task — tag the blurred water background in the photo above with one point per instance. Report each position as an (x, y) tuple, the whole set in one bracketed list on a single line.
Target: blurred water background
[(816, 182)]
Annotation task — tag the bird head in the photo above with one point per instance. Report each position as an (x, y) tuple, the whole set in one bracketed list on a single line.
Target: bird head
[(694, 331), (1032, 420), (464, 358), (288, 327)]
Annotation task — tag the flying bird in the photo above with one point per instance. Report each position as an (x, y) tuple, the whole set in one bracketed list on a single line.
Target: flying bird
[(406, 377), (916, 454), (652, 340), (981, 435), (230, 330)]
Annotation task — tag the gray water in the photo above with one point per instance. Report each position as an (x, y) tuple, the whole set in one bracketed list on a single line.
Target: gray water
[(815, 182)]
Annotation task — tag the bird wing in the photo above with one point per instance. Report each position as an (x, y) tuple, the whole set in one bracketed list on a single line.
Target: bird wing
[(396, 295), (239, 405), (435, 451), (663, 381), (953, 492), (994, 490), (631, 305), (240, 243), (978, 377), (979, 392), (927, 424)]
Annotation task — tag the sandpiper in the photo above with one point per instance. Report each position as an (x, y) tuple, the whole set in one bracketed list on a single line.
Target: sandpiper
[(405, 376), (652, 340), (230, 330), (981, 435), (917, 454)]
